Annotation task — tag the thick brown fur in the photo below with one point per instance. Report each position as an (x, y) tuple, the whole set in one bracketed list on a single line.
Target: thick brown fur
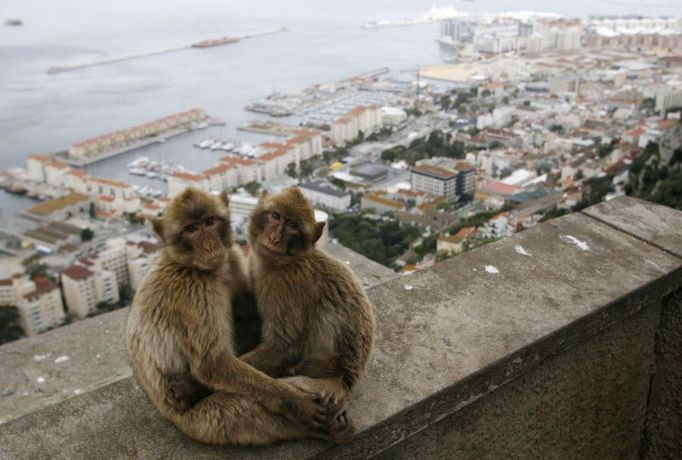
[(181, 321), (317, 321)]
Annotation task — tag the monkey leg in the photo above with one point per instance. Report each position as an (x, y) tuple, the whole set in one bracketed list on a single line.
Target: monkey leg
[(224, 418), (331, 389)]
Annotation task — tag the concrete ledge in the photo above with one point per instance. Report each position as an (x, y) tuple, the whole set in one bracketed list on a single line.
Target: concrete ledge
[(91, 353), (447, 337)]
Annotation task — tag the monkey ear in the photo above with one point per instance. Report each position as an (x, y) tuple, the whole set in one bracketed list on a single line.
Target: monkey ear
[(157, 224), (295, 191), (319, 227), (263, 196), (225, 198)]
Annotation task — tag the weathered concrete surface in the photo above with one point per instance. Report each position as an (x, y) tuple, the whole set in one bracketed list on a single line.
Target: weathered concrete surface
[(88, 354), (446, 338), (93, 352), (663, 436), (370, 273), (586, 403), (656, 224)]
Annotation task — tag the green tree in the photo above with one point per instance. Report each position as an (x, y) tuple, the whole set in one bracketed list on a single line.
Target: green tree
[(252, 188), (92, 211), (291, 170), (10, 326), (87, 234), (307, 167)]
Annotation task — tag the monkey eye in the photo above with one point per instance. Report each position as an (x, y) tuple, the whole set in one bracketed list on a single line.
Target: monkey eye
[(191, 228), (292, 225), (275, 215), (210, 221)]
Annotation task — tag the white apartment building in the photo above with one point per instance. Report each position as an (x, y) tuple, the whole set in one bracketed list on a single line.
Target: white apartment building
[(84, 289), (365, 118), (38, 300), (55, 173), (669, 97), (140, 258), (434, 181), (112, 258), (35, 167), (103, 186), (500, 226), (497, 37), (181, 180), (77, 180)]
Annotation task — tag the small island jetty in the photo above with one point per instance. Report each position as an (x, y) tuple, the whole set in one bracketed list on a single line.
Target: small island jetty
[(154, 132)]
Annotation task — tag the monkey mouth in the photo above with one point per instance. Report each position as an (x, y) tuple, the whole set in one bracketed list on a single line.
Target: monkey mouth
[(272, 249)]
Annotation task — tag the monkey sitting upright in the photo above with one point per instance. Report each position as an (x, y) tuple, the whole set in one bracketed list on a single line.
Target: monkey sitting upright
[(180, 322), (317, 321)]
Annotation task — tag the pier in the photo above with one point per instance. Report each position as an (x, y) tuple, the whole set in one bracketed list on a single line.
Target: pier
[(226, 40)]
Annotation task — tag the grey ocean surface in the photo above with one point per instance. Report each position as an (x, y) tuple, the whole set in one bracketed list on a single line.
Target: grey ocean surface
[(41, 113)]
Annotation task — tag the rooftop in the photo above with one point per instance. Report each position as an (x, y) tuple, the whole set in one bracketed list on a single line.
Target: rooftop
[(434, 171), (48, 207), (76, 272), (321, 187)]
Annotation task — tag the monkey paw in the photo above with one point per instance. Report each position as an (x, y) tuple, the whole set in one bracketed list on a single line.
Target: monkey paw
[(341, 429), (183, 391)]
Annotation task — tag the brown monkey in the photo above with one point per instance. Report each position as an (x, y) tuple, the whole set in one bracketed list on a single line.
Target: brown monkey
[(181, 321), (317, 320)]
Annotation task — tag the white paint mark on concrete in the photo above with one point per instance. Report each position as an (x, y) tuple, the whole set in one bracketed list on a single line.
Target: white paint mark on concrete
[(491, 269), (61, 359), (77, 391), (521, 250), (582, 245), (655, 265), (98, 356), (25, 393), (347, 262), (40, 380), (408, 287), (39, 357)]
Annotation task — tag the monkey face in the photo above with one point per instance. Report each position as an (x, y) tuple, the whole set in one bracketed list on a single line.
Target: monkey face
[(196, 229), (283, 225), (203, 238), (278, 231)]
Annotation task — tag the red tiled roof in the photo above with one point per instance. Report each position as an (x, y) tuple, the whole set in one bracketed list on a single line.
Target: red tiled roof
[(43, 286), (221, 168), (441, 173), (6, 282), (107, 198), (39, 157), (77, 273), (58, 164), (113, 183), (188, 176), (77, 172), (498, 188)]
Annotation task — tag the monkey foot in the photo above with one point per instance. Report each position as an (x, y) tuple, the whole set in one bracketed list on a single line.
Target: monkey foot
[(340, 430)]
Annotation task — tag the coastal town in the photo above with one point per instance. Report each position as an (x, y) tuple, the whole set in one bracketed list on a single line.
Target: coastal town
[(533, 116)]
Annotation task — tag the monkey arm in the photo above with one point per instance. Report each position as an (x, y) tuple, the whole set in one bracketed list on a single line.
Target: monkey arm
[(279, 351)]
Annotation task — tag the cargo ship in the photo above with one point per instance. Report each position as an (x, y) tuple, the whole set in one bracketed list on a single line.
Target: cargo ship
[(215, 42)]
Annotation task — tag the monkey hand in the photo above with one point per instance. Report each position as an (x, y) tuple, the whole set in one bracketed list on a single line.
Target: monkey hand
[(306, 410), (183, 391), (316, 390)]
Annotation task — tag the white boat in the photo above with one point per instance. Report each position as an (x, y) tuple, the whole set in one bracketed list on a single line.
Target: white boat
[(137, 171), (206, 143), (152, 175)]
